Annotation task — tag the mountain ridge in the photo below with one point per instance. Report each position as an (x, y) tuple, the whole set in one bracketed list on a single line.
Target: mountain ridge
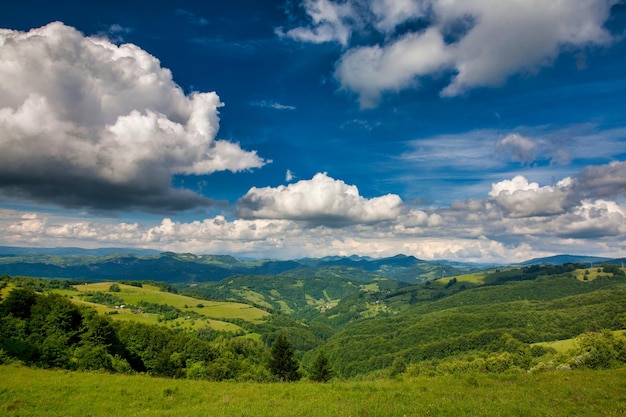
[(119, 263)]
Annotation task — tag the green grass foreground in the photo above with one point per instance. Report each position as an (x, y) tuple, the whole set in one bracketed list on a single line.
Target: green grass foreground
[(35, 392)]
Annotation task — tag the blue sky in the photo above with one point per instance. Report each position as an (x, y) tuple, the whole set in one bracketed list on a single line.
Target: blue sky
[(475, 130)]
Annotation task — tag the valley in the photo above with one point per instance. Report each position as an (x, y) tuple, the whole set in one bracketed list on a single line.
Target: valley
[(508, 320)]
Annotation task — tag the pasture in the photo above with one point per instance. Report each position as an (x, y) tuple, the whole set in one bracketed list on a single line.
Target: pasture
[(35, 392)]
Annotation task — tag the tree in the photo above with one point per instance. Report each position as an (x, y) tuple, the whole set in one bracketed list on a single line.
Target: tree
[(19, 302), (321, 370), (282, 362), (114, 288)]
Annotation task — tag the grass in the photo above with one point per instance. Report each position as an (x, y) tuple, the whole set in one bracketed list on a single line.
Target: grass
[(212, 311), (151, 294), (475, 278), (590, 273), (34, 392), (563, 346), (252, 296)]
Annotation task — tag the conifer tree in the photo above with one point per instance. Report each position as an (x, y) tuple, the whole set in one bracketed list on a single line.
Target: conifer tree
[(283, 364), (321, 370)]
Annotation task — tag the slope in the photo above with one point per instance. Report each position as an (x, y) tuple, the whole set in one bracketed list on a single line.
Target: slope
[(544, 309)]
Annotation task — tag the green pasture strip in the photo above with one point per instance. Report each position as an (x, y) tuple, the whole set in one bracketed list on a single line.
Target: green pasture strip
[(29, 392), (126, 314), (562, 346), (590, 274), (252, 296), (6, 290), (151, 294), (284, 306), (475, 278)]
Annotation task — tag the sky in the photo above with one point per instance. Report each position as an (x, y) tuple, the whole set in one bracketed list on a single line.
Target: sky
[(473, 130)]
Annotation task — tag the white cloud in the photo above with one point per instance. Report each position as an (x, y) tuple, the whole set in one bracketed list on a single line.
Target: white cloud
[(331, 22), (517, 148), (371, 70), (517, 220), (599, 218), (510, 37), (84, 122), (391, 13), (523, 199), (603, 180), (272, 105), (487, 40), (321, 200), (289, 176)]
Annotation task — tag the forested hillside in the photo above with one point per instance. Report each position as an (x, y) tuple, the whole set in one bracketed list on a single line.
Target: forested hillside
[(357, 322), (512, 308)]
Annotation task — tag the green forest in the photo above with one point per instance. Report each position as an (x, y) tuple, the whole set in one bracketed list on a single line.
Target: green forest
[(506, 321), (334, 340)]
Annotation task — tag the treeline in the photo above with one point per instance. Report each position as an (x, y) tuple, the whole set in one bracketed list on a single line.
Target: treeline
[(50, 331), (44, 284), (531, 272)]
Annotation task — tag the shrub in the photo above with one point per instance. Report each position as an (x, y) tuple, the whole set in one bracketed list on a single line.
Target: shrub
[(599, 350)]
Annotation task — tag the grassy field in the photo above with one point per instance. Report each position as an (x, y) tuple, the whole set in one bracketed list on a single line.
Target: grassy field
[(475, 278), (212, 311), (154, 295), (565, 345), (590, 274), (151, 294), (35, 392)]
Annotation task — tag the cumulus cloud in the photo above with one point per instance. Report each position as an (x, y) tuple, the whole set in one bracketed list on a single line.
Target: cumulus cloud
[(585, 206), (518, 148), (321, 201), (86, 123), (371, 70), (593, 219), (523, 199), (603, 181), (486, 41), (516, 221)]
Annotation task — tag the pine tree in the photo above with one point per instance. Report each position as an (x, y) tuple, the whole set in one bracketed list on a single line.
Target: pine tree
[(321, 370), (282, 363)]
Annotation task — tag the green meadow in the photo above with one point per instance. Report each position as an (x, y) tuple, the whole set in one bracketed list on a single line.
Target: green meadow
[(213, 313), (37, 392)]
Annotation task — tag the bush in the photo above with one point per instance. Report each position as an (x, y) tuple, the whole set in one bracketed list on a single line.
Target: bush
[(92, 357), (599, 350)]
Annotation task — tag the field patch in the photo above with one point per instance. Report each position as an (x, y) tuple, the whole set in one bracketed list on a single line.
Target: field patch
[(565, 345), (201, 313), (477, 278)]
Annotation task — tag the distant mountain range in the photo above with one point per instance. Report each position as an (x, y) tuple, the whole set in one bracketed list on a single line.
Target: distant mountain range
[(145, 264), (563, 259)]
